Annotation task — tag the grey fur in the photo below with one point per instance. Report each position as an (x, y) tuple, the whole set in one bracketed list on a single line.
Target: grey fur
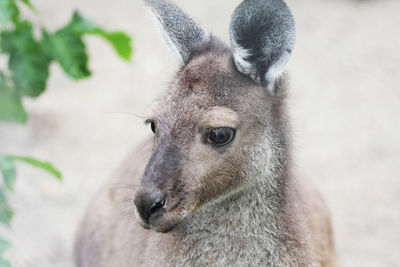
[(235, 205), (262, 37), (182, 33)]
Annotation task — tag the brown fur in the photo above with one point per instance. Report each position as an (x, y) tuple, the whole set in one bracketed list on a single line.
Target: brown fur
[(232, 205)]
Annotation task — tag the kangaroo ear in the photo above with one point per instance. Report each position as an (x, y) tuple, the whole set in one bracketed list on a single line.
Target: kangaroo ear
[(182, 33), (262, 37)]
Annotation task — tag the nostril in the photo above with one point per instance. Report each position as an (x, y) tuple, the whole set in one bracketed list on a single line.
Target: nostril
[(149, 207), (156, 206)]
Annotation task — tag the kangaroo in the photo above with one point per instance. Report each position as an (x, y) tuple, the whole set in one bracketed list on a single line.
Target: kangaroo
[(216, 185)]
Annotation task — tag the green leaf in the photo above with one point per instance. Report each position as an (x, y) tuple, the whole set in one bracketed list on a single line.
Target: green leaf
[(19, 39), (28, 63), (8, 12), (4, 263), (11, 109), (8, 171), (30, 72), (82, 25), (121, 43), (6, 213), (40, 164), (29, 4), (119, 40), (3, 198), (4, 245), (68, 49)]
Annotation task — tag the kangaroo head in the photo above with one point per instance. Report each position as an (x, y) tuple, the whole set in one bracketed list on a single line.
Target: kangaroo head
[(219, 129)]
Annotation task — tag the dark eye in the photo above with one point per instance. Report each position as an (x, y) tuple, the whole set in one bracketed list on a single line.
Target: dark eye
[(221, 136), (152, 125)]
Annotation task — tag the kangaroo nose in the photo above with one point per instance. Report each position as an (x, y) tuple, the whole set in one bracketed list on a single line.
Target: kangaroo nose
[(149, 206)]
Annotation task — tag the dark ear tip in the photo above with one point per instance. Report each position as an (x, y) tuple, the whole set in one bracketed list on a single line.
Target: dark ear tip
[(262, 36)]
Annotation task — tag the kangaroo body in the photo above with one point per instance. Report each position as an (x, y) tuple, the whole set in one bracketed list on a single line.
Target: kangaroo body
[(216, 183)]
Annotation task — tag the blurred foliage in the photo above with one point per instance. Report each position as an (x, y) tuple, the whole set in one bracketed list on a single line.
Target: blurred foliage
[(29, 58), (9, 173), (4, 245)]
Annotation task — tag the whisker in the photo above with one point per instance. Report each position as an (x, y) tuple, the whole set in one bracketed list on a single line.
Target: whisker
[(129, 200), (141, 117), (122, 186), (127, 209)]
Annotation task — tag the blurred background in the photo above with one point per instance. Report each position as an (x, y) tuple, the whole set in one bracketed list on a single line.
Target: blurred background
[(344, 104)]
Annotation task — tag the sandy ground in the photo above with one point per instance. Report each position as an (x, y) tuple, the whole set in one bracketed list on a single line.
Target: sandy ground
[(344, 104)]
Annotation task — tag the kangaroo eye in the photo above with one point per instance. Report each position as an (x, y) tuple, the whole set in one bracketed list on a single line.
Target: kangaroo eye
[(152, 125), (221, 136)]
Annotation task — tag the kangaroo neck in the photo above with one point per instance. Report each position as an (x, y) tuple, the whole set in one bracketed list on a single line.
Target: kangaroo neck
[(247, 228)]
